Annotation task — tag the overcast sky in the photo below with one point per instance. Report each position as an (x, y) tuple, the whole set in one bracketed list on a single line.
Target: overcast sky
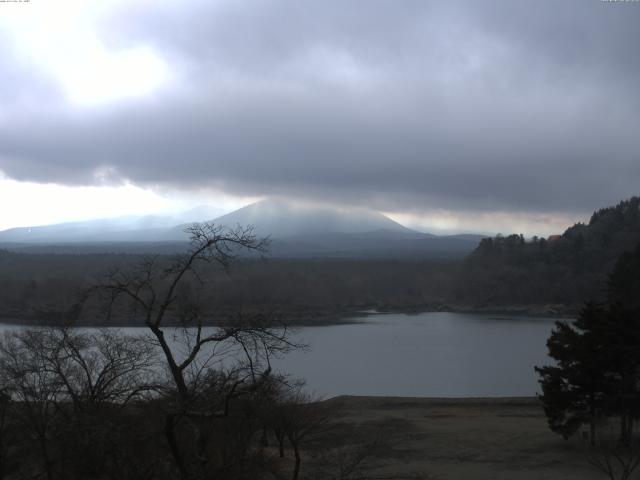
[(450, 115)]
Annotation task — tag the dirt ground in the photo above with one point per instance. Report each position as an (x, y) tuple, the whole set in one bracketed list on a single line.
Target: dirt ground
[(419, 438)]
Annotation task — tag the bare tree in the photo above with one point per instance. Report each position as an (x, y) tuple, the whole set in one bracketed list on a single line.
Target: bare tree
[(359, 461), (298, 417), (210, 360), (615, 459), (5, 434), (103, 367), (349, 463), (186, 399), (34, 387), (64, 384)]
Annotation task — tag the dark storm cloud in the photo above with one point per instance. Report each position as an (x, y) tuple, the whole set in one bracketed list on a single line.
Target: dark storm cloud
[(524, 106)]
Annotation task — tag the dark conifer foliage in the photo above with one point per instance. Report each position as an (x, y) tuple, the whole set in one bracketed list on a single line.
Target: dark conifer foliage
[(597, 371), (575, 389)]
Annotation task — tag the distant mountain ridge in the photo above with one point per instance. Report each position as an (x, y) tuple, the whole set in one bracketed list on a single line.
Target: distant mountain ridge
[(130, 228), (296, 231), (280, 219), (274, 218)]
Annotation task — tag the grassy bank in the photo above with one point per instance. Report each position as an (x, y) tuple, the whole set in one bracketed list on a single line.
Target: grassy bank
[(459, 439)]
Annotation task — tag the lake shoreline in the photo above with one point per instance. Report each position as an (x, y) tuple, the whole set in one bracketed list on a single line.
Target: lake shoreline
[(533, 311), (348, 317)]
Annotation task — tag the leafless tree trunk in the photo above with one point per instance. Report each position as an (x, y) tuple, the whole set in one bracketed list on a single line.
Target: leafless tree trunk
[(166, 298), (65, 382), (614, 458)]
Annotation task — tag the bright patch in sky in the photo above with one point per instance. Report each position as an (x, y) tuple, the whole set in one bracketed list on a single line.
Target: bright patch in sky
[(28, 204), (443, 222), (107, 76), (59, 39)]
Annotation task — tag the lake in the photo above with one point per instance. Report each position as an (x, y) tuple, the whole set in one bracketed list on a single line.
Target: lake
[(434, 354)]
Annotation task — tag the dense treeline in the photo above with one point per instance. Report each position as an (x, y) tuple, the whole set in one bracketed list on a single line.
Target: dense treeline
[(563, 269), (40, 286)]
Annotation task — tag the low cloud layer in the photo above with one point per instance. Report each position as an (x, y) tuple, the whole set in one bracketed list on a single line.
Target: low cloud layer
[(497, 106)]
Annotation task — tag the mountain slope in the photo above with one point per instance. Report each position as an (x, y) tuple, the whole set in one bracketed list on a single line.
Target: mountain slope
[(304, 231), (279, 219), (131, 228)]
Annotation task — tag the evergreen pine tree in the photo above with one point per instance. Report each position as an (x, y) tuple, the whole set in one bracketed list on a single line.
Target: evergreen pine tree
[(597, 370), (574, 392)]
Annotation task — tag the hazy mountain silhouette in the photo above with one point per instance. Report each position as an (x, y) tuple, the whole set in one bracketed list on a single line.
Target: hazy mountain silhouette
[(280, 218), (130, 228), (296, 231)]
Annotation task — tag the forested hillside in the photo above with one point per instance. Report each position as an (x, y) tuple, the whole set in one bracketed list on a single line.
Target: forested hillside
[(559, 270)]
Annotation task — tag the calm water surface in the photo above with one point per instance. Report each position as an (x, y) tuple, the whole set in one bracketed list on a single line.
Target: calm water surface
[(435, 354)]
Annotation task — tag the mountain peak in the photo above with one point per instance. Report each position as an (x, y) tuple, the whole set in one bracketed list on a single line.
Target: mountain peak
[(282, 218)]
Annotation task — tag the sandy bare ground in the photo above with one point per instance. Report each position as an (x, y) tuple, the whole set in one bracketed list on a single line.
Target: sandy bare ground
[(459, 439)]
